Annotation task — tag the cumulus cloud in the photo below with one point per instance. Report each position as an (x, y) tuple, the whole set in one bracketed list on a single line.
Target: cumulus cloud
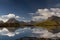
[(6, 17), (45, 13)]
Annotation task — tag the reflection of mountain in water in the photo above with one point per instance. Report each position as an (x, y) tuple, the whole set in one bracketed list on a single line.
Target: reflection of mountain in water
[(27, 32)]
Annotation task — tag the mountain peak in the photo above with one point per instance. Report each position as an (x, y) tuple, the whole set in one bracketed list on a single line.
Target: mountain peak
[(54, 18), (12, 20)]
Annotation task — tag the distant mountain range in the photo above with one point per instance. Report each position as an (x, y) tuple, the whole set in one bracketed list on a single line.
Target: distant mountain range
[(54, 20), (52, 23), (12, 22)]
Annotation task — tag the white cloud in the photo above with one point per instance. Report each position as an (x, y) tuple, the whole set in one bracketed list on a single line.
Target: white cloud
[(45, 13), (6, 17), (17, 17)]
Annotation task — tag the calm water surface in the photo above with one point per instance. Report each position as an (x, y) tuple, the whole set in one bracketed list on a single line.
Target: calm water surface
[(16, 33)]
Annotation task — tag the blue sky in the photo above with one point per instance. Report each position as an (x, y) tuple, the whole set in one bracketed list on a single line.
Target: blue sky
[(24, 7)]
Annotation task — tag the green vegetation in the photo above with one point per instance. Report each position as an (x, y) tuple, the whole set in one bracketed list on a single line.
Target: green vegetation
[(47, 24), (50, 23), (11, 24)]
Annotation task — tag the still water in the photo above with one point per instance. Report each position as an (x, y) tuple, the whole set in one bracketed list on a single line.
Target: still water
[(38, 32)]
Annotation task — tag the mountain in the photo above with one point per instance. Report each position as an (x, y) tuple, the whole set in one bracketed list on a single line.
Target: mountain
[(1, 22), (57, 21), (12, 20), (55, 18), (52, 23)]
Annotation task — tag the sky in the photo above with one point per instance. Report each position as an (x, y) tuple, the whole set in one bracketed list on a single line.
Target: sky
[(26, 8)]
